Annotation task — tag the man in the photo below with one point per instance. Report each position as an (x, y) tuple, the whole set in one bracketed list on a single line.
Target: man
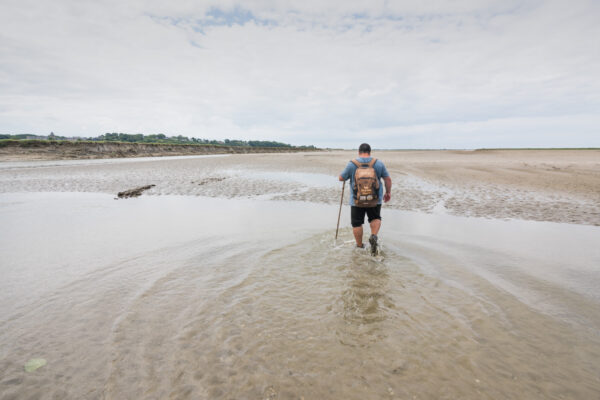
[(373, 212)]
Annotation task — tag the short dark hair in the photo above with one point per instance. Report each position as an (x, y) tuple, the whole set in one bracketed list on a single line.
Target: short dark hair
[(364, 148)]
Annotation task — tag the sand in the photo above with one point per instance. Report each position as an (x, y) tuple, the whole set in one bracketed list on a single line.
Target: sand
[(216, 284), (541, 185)]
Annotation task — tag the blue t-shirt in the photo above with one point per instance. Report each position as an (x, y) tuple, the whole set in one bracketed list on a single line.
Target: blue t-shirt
[(380, 170)]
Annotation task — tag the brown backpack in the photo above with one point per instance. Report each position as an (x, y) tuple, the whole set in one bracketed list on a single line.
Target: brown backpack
[(366, 184)]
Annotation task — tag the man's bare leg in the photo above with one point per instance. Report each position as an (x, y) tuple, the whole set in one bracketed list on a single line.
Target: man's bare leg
[(358, 234), (358, 231), (375, 225)]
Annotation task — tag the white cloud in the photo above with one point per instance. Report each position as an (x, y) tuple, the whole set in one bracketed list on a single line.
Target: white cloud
[(440, 74)]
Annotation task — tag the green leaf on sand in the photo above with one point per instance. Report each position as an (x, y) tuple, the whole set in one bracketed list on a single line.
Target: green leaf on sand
[(34, 364)]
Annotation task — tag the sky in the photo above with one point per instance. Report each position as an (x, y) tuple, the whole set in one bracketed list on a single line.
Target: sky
[(396, 74)]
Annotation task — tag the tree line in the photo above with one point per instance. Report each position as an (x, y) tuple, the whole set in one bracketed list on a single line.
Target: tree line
[(156, 138)]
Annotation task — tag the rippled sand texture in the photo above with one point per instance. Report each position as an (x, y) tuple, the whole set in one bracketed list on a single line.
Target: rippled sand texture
[(231, 299), (339, 325), (542, 185), (233, 290)]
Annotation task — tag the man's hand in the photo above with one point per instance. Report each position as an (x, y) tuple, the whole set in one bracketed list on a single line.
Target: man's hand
[(388, 189)]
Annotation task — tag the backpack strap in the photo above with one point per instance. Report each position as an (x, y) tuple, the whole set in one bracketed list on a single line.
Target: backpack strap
[(359, 164), (371, 164)]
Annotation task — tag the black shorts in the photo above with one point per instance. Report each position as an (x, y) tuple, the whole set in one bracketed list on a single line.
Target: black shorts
[(358, 214)]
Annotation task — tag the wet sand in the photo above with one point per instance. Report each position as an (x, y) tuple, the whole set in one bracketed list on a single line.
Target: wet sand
[(218, 283), (541, 185)]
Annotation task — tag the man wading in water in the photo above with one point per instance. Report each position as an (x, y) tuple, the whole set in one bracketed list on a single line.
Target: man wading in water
[(366, 193)]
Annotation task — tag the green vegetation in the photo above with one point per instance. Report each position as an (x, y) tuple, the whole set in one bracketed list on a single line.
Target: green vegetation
[(69, 142), (155, 138), (34, 364)]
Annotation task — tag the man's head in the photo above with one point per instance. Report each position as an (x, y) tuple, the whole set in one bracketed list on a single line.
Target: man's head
[(364, 149)]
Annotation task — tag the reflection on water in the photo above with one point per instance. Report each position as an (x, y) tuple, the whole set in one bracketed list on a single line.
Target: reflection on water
[(216, 299)]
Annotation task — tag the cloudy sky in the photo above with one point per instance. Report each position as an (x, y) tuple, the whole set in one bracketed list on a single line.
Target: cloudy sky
[(398, 74)]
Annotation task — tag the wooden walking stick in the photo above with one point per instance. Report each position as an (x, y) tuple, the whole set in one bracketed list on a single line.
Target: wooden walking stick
[(340, 212)]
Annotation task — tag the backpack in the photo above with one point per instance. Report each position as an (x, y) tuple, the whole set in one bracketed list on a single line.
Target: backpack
[(366, 184)]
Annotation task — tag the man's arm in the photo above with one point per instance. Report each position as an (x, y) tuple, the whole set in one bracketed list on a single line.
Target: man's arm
[(346, 172), (388, 189)]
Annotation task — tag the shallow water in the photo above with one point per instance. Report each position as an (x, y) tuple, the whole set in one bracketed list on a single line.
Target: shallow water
[(313, 177), (196, 297)]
